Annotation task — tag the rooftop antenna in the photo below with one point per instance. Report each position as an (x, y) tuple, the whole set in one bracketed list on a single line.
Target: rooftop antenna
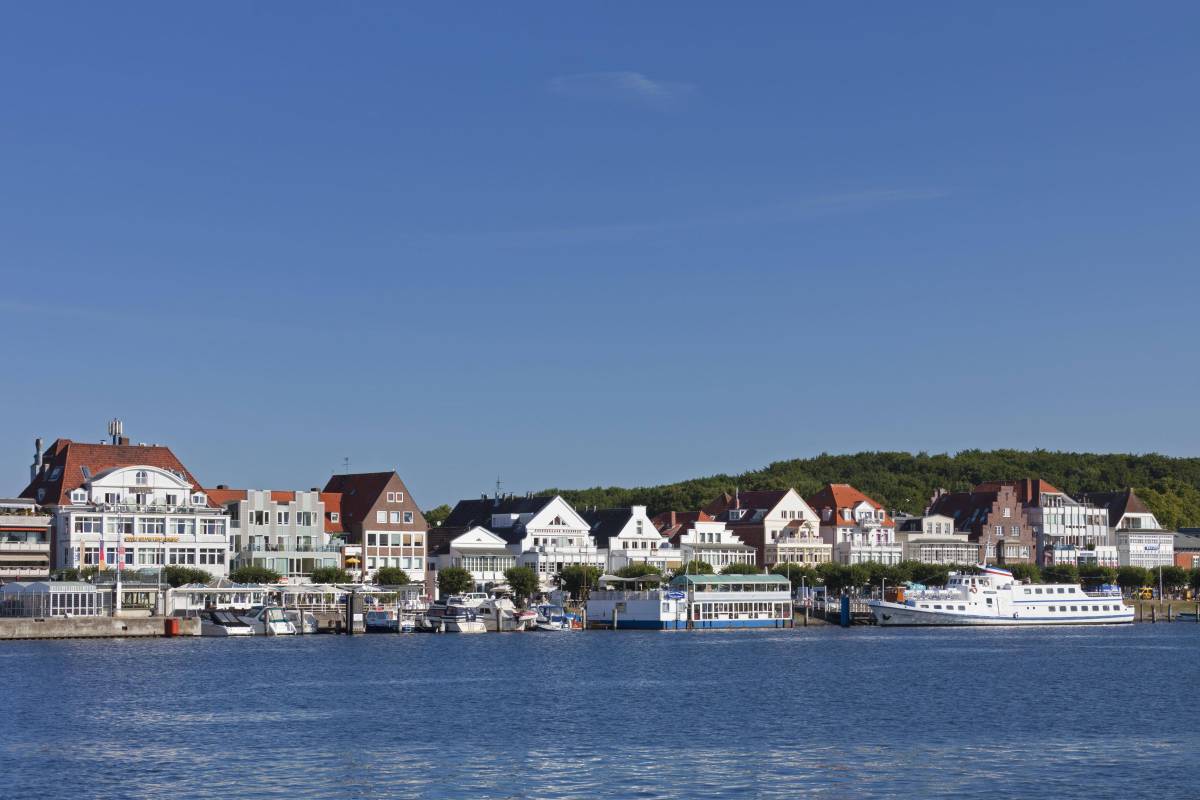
[(346, 465), (498, 487), (116, 429)]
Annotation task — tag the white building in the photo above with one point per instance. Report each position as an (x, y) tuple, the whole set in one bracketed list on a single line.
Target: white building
[(627, 536), (1066, 530), (713, 543), (479, 551), (858, 527), (135, 506), (1139, 538), (777, 523), (931, 539), (544, 533), (282, 531), (24, 541)]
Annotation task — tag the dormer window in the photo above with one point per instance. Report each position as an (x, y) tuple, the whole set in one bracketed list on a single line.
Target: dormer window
[(736, 513), (334, 516), (198, 499), (78, 496), (141, 477)]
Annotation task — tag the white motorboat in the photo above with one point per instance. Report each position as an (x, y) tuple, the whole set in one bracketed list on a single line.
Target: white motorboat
[(993, 597), (268, 621), (451, 615), (310, 620), (215, 622), (501, 614)]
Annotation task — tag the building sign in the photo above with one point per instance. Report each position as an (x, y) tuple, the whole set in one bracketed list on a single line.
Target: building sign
[(152, 538)]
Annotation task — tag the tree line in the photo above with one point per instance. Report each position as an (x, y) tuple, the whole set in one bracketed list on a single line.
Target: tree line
[(905, 481)]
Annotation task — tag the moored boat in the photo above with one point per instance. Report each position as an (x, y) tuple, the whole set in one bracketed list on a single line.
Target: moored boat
[(450, 615), (994, 597), (268, 621), (215, 622)]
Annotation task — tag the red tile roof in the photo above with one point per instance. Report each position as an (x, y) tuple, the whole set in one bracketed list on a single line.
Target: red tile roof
[(839, 496), (69, 458), (333, 505)]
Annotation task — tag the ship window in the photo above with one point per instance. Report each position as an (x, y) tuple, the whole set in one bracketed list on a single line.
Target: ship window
[(989, 601), (1074, 608), (1026, 591), (962, 608), (937, 606), (1061, 590), (1037, 591)]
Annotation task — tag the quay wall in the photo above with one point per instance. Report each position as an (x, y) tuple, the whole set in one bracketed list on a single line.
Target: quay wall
[(92, 627)]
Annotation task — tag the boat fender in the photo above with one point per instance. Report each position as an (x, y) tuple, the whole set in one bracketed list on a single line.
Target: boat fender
[(974, 589)]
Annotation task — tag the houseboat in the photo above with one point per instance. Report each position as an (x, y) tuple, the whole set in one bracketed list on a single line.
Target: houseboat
[(693, 602), (993, 597)]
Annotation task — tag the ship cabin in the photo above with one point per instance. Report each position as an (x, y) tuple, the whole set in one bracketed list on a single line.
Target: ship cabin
[(736, 601)]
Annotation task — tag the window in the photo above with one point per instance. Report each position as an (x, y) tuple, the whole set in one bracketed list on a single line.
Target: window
[(78, 496), (381, 517), (213, 527), (1007, 513), (281, 517), (172, 499), (1016, 531), (182, 527), (112, 498), (395, 518), (119, 525), (152, 526), (333, 516), (399, 497), (199, 499), (999, 530), (141, 478), (89, 524), (391, 497), (408, 517)]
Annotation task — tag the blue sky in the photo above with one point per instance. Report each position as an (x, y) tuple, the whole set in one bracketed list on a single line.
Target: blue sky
[(580, 244)]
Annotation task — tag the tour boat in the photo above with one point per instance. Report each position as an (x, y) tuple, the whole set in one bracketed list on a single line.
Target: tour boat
[(993, 597), (268, 621), (214, 622)]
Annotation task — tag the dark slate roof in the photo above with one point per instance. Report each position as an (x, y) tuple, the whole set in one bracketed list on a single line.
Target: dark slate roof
[(1187, 540), (469, 513), (1118, 504), (606, 523)]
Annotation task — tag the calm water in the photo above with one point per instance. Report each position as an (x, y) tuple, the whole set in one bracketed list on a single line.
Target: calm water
[(1090, 712)]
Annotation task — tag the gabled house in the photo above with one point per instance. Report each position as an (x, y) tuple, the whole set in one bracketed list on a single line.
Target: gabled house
[(628, 536), (1066, 530), (1140, 540), (712, 542), (479, 551), (858, 527), (544, 533), (777, 523), (378, 514), (993, 518), (119, 505), (932, 539)]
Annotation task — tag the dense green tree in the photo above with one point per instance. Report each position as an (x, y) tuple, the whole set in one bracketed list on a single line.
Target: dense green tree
[(523, 581), (579, 579), (436, 516), (695, 568), (638, 569), (1174, 579), (740, 569), (1132, 578), (177, 575), (1025, 572), (1092, 574), (455, 580), (391, 576), (329, 575), (252, 573), (66, 574), (1061, 573), (798, 574), (836, 577)]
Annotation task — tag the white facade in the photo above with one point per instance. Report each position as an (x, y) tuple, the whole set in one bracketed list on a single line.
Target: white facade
[(639, 542), (482, 553), (715, 545), (553, 538), (1070, 532), (141, 517), (1145, 548), (861, 534)]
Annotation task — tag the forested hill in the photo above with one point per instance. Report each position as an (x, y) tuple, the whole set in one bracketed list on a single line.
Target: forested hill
[(903, 481)]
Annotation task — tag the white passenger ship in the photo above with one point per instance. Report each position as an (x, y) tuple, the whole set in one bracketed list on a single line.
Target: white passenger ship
[(995, 598)]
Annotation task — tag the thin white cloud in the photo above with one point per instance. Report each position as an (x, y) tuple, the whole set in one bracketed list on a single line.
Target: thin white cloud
[(623, 86)]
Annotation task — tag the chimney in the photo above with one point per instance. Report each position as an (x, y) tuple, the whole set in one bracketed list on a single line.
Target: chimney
[(36, 467), (123, 440), (737, 501), (222, 486)]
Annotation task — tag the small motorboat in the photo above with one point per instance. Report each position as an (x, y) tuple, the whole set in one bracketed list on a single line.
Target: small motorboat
[(552, 618), (382, 620), (268, 621), (294, 616), (214, 622), (500, 614), (451, 615)]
